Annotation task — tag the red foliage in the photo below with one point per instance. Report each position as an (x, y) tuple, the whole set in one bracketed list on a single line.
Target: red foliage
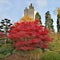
[(29, 35)]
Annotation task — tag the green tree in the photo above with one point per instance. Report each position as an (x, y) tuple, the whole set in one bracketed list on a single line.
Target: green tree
[(49, 21), (52, 26), (58, 20), (38, 17)]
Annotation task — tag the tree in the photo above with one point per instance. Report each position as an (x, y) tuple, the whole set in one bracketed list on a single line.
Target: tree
[(58, 10), (38, 17), (29, 36), (5, 27), (6, 48), (58, 20), (52, 27), (49, 21), (26, 19)]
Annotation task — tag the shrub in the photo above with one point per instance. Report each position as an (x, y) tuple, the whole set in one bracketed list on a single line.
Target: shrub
[(50, 55), (5, 50), (29, 36)]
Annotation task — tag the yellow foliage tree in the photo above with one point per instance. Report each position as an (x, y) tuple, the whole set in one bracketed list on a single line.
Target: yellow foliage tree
[(26, 19), (58, 11)]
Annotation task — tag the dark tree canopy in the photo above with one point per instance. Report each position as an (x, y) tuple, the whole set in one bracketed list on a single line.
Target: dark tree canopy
[(38, 17), (49, 21), (58, 23)]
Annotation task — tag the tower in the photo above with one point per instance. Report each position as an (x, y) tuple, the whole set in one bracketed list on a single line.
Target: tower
[(26, 12), (29, 11)]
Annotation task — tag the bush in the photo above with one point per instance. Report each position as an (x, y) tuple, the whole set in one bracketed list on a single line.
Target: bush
[(50, 55), (5, 50), (29, 36)]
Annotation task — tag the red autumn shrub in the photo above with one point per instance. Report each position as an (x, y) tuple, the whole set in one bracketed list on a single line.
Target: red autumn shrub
[(29, 35)]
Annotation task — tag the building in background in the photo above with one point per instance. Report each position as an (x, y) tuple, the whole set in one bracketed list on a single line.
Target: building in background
[(29, 14), (29, 11)]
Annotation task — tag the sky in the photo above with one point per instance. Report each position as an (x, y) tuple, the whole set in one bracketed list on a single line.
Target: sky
[(14, 9)]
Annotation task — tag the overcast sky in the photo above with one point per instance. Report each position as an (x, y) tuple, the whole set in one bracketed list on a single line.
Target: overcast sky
[(14, 9)]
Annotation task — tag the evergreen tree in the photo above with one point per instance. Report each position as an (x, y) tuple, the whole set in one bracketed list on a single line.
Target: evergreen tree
[(49, 21), (38, 17), (47, 18), (52, 27), (58, 20)]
